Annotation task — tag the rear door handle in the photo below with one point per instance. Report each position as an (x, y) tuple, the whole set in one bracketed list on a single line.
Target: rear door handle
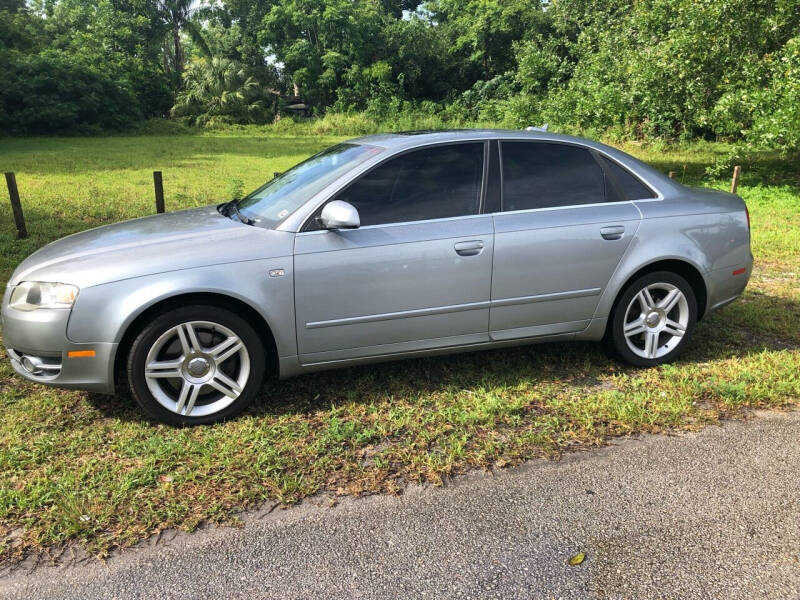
[(612, 232), (470, 248)]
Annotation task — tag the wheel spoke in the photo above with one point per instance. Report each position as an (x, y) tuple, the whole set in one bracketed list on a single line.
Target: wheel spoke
[(225, 384), (184, 393), (651, 344), (674, 328), (648, 297), (670, 300), (217, 385), (194, 344), (225, 349), (163, 368), (635, 327), (192, 398), (186, 346)]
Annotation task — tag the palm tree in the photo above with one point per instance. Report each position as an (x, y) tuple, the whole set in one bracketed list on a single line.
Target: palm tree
[(221, 90), (178, 16)]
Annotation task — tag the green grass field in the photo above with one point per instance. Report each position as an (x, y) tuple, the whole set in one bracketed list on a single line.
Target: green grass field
[(89, 469)]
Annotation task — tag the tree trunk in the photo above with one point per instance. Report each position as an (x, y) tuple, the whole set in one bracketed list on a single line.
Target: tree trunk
[(176, 40)]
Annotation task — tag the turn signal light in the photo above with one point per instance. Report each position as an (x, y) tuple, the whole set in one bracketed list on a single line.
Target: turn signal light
[(81, 353)]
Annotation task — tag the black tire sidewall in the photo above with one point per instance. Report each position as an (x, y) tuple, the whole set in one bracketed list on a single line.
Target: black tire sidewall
[(617, 336), (150, 333)]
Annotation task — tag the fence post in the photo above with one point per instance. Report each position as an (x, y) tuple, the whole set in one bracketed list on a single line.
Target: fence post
[(16, 206), (672, 174), (159, 186), (737, 170)]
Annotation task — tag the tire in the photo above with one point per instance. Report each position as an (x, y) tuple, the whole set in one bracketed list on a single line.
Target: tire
[(196, 365), (653, 319)]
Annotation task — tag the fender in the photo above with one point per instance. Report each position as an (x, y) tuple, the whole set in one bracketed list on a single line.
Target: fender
[(103, 313)]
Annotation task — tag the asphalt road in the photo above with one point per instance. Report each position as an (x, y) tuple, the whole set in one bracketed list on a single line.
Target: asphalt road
[(709, 515)]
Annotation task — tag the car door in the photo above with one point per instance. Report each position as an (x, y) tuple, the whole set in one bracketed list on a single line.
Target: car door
[(415, 275), (561, 232)]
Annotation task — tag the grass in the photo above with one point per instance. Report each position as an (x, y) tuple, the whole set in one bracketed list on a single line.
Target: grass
[(88, 469)]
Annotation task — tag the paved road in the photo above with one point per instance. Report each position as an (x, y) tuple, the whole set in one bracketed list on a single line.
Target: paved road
[(708, 515)]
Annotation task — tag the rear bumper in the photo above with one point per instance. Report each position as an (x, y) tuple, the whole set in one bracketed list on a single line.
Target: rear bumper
[(40, 336), (725, 285)]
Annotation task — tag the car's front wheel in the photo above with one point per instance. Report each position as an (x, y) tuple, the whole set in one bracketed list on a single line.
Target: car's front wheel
[(654, 319), (196, 365)]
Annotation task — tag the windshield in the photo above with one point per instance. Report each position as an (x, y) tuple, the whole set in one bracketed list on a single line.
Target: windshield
[(274, 201)]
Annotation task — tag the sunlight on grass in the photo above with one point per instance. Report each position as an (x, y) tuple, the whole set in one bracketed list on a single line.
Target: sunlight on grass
[(78, 467)]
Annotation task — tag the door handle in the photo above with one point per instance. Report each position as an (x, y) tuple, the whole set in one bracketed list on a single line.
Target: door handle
[(470, 248), (612, 232)]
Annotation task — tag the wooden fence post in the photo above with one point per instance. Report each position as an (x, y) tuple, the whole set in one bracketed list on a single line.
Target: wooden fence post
[(16, 206), (159, 185), (737, 170)]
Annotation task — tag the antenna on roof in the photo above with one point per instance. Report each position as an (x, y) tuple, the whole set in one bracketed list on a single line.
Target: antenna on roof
[(542, 128)]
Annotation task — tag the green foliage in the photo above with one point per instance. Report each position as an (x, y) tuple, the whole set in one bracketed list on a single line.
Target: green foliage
[(644, 69), (764, 115), (50, 93), (320, 41), (659, 67), (219, 91)]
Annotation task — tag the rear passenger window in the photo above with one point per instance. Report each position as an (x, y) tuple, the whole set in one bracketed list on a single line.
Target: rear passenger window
[(544, 175), (630, 185)]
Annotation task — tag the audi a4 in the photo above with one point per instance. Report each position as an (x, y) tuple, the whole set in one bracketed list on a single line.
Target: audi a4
[(382, 247)]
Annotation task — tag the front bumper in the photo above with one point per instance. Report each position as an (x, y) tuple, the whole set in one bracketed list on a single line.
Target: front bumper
[(41, 337)]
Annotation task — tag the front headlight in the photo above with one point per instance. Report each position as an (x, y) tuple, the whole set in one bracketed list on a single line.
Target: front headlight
[(30, 295)]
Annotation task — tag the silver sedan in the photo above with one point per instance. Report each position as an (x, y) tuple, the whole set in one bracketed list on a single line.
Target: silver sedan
[(383, 247)]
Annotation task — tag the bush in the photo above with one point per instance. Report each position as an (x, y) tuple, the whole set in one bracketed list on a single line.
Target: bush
[(220, 91), (51, 94)]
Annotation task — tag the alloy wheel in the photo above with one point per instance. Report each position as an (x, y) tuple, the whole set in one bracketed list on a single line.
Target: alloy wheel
[(197, 368), (656, 320)]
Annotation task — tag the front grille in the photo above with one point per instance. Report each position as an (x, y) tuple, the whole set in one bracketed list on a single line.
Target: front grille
[(41, 367)]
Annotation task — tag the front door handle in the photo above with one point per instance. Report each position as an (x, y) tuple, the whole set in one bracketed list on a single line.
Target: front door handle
[(612, 232), (470, 248)]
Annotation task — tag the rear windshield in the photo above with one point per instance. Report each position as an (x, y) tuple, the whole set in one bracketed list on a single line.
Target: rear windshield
[(274, 201)]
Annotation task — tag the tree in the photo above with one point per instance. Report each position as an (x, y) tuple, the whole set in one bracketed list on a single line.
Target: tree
[(483, 32), (220, 90), (318, 41), (177, 15)]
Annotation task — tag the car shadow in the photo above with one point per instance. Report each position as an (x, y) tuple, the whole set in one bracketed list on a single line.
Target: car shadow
[(723, 335)]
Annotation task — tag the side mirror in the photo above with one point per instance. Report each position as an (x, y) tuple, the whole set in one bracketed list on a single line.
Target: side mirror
[(339, 215)]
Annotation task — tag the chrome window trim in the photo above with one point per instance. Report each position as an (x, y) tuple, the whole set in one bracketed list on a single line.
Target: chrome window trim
[(297, 220), (569, 207), (401, 223), (379, 160)]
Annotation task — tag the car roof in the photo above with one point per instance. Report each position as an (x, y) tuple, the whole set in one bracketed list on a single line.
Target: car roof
[(410, 139), (403, 140)]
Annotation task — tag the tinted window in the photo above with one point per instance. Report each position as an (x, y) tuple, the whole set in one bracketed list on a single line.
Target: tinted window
[(630, 185), (541, 175), (432, 183)]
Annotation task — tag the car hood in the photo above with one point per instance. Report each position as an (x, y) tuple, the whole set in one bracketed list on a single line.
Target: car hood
[(186, 239)]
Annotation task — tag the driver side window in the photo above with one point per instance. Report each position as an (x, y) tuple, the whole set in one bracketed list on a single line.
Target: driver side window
[(431, 183)]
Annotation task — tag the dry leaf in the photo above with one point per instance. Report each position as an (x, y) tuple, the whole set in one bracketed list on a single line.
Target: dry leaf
[(577, 559)]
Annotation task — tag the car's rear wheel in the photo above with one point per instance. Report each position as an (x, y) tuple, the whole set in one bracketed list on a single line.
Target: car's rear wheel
[(654, 319), (196, 365)]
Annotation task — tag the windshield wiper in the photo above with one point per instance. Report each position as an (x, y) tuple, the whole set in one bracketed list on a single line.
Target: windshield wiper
[(233, 207)]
